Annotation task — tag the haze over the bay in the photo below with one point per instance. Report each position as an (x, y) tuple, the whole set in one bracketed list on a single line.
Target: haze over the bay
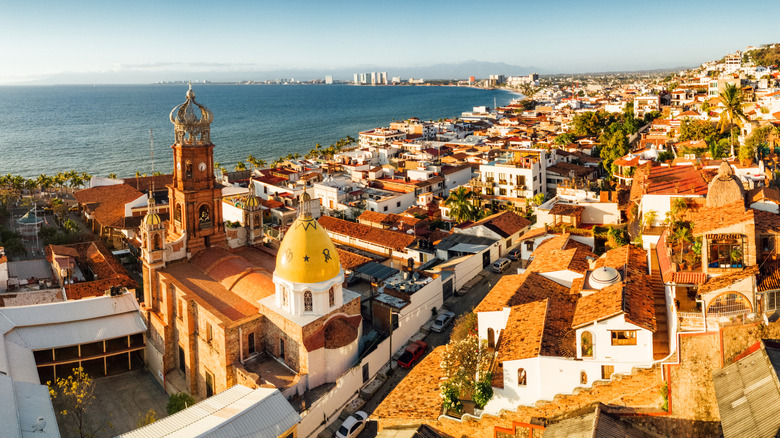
[(50, 42)]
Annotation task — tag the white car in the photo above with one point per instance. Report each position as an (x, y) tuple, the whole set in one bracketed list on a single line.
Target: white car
[(353, 425), (442, 321), (501, 264)]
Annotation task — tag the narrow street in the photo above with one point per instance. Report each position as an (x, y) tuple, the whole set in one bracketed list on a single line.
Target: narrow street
[(456, 304)]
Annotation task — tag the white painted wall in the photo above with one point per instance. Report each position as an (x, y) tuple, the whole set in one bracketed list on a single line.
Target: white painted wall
[(604, 351), (495, 320)]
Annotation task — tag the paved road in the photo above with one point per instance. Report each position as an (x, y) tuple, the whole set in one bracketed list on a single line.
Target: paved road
[(458, 305)]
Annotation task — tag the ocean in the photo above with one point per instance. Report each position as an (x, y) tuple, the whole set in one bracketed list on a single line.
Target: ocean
[(105, 128)]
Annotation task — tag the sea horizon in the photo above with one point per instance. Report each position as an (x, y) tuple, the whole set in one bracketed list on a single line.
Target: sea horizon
[(104, 129)]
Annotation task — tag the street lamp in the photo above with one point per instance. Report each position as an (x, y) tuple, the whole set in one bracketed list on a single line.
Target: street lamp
[(392, 312)]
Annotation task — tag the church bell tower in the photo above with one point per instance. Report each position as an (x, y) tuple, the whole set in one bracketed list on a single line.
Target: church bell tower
[(195, 197)]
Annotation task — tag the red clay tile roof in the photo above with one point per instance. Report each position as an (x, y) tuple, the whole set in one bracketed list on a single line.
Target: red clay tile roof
[(726, 280), (633, 296), (504, 224), (562, 209), (640, 177), (533, 233), (349, 260), (385, 238), (561, 254), (567, 169), (522, 337), (107, 203), (145, 183), (684, 180), (93, 255), (712, 219), (416, 397)]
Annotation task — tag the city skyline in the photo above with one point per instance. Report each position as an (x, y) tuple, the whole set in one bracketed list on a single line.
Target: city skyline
[(54, 42)]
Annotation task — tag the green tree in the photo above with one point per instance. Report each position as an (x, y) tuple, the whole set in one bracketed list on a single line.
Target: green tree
[(616, 146), (464, 326), (757, 141), (253, 161), (239, 166), (731, 98), (178, 402), (460, 203), (483, 390), (564, 139), (691, 129), (463, 363), (112, 175)]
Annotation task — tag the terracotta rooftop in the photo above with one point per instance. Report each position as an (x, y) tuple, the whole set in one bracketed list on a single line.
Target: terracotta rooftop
[(726, 280), (93, 255), (505, 223), (522, 337), (683, 180), (385, 238), (417, 396), (568, 169), (561, 254), (350, 260), (563, 209), (633, 296), (533, 233), (145, 183), (228, 284), (107, 203), (710, 219)]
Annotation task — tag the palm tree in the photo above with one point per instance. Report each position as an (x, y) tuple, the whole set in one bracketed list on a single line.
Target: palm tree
[(112, 175), (460, 204), (253, 161), (240, 166), (731, 97)]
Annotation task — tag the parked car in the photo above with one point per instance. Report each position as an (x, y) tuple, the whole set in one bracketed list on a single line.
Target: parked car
[(501, 264), (414, 351), (442, 321), (514, 254), (353, 425)]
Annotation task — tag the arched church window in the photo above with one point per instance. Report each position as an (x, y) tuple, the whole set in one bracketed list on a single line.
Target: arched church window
[(156, 242), (284, 296), (308, 301), (177, 213), (258, 222), (331, 297), (188, 169)]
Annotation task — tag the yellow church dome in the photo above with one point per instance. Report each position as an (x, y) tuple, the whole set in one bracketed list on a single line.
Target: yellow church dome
[(307, 254), (153, 219)]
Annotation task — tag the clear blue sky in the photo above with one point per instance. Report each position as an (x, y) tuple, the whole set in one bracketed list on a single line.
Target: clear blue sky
[(125, 38)]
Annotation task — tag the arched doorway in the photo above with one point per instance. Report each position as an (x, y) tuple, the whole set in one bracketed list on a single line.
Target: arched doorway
[(491, 335)]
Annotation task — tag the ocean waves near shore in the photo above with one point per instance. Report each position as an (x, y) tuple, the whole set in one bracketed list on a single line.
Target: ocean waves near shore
[(105, 129)]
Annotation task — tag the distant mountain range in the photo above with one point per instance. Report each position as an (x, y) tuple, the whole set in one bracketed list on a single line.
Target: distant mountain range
[(131, 75)]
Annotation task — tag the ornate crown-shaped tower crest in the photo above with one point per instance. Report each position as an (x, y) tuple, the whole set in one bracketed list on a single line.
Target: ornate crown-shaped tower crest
[(192, 121)]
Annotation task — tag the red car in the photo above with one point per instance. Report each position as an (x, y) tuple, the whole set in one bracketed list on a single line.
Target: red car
[(413, 352)]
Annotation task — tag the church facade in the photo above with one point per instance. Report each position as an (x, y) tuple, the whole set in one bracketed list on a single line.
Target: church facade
[(219, 316)]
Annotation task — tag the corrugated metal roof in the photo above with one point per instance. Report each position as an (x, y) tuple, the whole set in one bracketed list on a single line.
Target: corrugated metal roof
[(748, 394), (32, 403), (238, 411), (9, 422), (80, 332), (75, 310)]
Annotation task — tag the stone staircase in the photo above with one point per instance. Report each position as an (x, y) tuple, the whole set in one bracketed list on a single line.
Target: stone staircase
[(661, 335)]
